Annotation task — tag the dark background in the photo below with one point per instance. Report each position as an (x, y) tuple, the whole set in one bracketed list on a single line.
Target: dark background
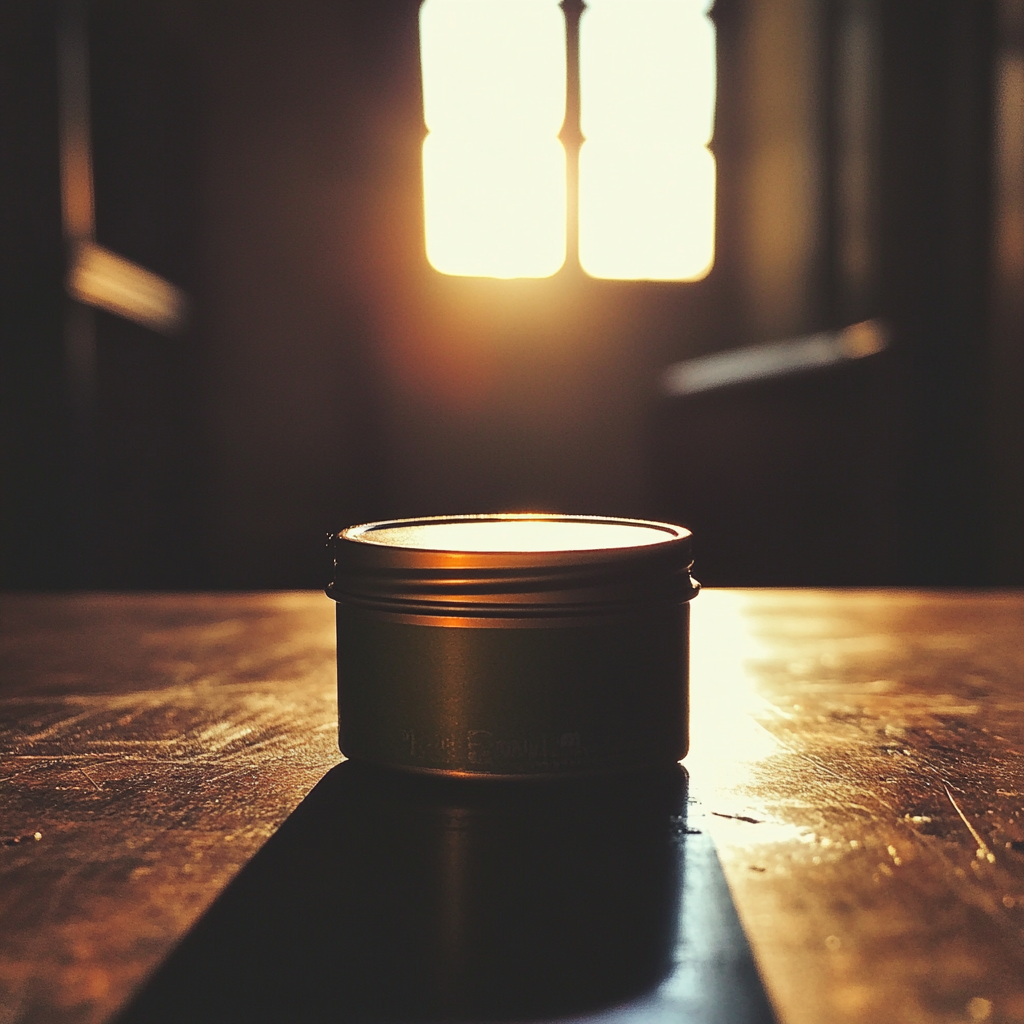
[(265, 157)]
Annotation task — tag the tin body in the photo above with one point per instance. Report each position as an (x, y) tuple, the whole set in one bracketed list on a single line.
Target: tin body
[(513, 645)]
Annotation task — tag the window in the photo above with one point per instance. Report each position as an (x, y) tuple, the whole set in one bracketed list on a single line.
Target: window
[(494, 169)]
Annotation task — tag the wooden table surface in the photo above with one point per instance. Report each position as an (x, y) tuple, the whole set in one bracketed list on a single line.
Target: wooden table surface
[(858, 757)]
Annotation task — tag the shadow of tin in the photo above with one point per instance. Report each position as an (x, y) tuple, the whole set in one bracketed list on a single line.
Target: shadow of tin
[(386, 896)]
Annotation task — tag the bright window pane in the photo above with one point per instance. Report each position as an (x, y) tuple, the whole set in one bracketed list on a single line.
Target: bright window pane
[(647, 180), (493, 168), (647, 213), (492, 213)]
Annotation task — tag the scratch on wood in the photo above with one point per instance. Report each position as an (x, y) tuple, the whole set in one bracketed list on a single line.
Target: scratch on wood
[(249, 767), (984, 853)]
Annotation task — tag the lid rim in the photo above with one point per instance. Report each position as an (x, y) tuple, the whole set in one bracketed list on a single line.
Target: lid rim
[(364, 569), (360, 536)]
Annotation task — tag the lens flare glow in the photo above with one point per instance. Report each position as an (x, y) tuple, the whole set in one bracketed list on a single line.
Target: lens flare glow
[(493, 168), (647, 179)]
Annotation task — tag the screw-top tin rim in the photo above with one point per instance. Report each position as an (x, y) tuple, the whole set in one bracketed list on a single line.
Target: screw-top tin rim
[(376, 567)]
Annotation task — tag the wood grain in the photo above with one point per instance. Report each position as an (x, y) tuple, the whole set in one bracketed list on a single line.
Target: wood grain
[(155, 742), (859, 757), (862, 757)]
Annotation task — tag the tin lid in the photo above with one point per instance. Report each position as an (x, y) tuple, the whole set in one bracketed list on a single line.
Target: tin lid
[(511, 566)]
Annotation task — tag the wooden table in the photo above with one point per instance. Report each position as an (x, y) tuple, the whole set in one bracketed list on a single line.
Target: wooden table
[(858, 758)]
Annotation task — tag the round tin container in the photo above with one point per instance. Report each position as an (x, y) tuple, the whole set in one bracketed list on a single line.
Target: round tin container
[(513, 645)]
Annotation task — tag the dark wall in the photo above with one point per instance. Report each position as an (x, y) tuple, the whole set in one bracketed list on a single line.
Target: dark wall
[(936, 128), (265, 157), (106, 494), (1004, 387), (33, 485), (295, 160), (880, 473), (146, 460)]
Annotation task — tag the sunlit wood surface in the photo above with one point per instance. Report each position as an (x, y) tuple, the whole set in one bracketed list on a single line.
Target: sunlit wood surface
[(859, 758), (870, 747), (156, 743)]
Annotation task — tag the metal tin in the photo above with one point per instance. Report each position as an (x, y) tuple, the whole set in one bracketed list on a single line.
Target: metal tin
[(513, 645)]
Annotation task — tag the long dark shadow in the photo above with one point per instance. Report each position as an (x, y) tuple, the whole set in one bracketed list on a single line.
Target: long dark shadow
[(387, 897)]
